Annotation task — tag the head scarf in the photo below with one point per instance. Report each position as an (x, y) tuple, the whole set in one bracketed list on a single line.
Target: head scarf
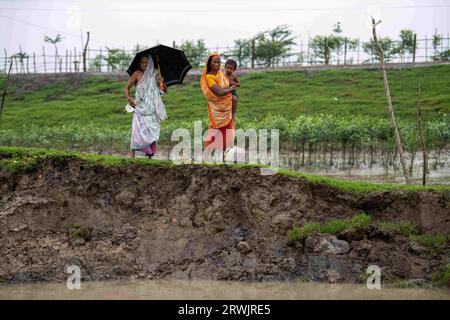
[(147, 91), (219, 108)]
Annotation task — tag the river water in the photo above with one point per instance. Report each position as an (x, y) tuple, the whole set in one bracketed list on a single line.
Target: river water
[(222, 290)]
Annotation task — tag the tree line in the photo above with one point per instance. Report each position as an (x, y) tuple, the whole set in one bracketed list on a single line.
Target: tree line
[(267, 49)]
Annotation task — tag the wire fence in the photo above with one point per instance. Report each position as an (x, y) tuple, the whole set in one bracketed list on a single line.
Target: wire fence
[(304, 53)]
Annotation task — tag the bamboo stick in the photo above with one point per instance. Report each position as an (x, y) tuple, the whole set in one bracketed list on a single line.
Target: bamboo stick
[(389, 102)]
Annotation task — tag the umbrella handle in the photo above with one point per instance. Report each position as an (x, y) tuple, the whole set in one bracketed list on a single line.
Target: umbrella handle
[(161, 85)]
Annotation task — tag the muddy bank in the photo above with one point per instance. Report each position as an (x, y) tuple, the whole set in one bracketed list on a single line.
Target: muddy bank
[(202, 222)]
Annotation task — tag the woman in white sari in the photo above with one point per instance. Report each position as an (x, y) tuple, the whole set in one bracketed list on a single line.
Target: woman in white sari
[(149, 109)]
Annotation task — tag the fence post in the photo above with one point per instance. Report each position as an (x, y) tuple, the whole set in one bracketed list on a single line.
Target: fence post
[(345, 50), (67, 57), (6, 58), (28, 60), (253, 53), (70, 61), (43, 54), (414, 48), (34, 62), (359, 49), (75, 67), (60, 64), (84, 52), (100, 61), (426, 49)]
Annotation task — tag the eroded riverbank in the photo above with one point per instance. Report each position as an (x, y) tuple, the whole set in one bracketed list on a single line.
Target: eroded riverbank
[(117, 219)]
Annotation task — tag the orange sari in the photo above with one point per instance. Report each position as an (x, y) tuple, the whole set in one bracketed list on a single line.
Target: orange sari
[(219, 111)]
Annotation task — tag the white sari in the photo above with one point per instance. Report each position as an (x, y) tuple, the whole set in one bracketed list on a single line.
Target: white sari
[(149, 112)]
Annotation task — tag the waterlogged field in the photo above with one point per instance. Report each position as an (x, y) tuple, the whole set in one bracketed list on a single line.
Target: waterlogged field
[(327, 119)]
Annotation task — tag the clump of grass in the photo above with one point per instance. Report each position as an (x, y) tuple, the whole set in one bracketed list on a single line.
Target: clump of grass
[(442, 277), (335, 226), (431, 241), (301, 233), (404, 228), (360, 221)]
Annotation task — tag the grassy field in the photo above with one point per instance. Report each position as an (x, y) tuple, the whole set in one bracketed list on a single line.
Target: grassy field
[(100, 102)]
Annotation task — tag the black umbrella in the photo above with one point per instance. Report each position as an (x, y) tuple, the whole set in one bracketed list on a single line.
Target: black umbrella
[(172, 62)]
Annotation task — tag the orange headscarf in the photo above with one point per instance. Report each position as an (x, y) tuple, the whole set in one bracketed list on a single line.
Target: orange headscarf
[(219, 108)]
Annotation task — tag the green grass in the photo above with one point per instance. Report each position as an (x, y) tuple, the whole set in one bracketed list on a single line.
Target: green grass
[(431, 241), (363, 221), (16, 159), (442, 277), (336, 226), (404, 228), (100, 101)]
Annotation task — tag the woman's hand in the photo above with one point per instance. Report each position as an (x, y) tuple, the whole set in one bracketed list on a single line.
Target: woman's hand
[(131, 102), (160, 79), (233, 88)]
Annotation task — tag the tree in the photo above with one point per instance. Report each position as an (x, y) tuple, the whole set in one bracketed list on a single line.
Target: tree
[(406, 44), (242, 52), (195, 52), (21, 55), (388, 45), (96, 63), (57, 39), (273, 44), (323, 46), (117, 59)]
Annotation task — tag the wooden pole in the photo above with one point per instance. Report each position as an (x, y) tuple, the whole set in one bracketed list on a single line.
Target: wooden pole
[(100, 61), (5, 87), (34, 62), (421, 137), (84, 52), (414, 48), (389, 102), (43, 54), (253, 53)]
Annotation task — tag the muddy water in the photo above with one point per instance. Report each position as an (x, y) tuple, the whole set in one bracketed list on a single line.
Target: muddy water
[(188, 290), (438, 174)]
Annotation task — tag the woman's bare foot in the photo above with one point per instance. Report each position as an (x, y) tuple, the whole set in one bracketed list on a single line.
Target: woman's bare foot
[(133, 154)]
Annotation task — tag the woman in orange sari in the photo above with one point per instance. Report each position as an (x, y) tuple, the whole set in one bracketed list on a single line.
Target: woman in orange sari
[(217, 91)]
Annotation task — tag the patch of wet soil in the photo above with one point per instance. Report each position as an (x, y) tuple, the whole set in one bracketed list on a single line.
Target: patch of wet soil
[(200, 222)]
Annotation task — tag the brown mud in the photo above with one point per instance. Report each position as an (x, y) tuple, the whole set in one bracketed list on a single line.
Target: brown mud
[(202, 222)]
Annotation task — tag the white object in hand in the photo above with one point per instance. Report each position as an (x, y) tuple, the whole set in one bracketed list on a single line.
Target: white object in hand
[(129, 108)]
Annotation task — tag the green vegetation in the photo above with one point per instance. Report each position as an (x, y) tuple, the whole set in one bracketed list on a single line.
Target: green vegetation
[(363, 221), (442, 277), (16, 159), (404, 228), (317, 113), (27, 159), (431, 241), (360, 221)]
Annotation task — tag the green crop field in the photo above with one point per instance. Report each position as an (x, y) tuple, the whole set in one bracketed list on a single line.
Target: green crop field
[(334, 106)]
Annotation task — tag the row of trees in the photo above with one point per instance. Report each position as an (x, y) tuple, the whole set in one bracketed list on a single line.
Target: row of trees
[(270, 47), (267, 48)]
